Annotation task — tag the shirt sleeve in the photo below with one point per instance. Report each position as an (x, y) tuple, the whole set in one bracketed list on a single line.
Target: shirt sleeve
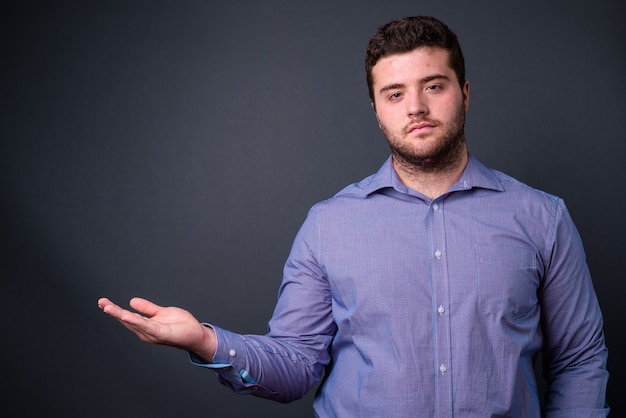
[(574, 351), (286, 362)]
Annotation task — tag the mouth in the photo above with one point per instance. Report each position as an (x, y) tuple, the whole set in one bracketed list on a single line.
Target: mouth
[(421, 127)]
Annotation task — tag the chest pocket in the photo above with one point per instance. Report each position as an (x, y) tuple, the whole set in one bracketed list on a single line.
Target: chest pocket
[(507, 280)]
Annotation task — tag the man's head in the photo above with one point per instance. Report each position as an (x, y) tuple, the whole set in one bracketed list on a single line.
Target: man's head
[(407, 34), (419, 94)]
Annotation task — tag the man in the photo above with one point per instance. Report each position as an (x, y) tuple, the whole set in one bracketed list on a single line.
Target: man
[(427, 289)]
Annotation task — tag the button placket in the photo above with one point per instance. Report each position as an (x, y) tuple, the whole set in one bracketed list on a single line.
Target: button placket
[(441, 297)]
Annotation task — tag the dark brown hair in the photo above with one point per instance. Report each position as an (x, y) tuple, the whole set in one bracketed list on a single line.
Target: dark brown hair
[(405, 35)]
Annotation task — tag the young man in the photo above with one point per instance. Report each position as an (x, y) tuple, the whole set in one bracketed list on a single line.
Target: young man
[(426, 289)]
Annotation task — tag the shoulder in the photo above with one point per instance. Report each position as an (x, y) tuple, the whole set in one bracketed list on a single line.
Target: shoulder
[(513, 188), (513, 185), (498, 192)]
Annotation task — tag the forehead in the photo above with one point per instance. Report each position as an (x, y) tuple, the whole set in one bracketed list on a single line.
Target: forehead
[(418, 63)]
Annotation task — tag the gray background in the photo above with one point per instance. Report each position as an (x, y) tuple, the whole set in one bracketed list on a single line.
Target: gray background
[(172, 149)]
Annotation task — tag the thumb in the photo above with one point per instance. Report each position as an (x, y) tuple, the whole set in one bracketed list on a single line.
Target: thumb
[(145, 307)]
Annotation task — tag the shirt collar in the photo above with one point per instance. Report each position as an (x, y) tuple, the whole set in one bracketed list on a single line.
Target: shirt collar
[(475, 175)]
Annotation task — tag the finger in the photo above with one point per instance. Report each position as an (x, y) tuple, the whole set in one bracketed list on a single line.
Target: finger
[(102, 302), (113, 310), (145, 307), (123, 315), (110, 308), (134, 322)]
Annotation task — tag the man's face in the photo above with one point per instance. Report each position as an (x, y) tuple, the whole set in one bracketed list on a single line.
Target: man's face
[(420, 107)]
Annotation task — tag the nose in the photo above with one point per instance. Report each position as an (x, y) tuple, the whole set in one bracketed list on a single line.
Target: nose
[(416, 104)]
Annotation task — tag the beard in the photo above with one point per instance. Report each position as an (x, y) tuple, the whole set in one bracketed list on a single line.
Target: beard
[(445, 153)]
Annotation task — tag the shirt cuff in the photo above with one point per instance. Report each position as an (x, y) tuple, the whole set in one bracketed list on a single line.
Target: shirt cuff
[(229, 354)]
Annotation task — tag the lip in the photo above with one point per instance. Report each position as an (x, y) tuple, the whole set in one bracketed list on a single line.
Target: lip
[(420, 127)]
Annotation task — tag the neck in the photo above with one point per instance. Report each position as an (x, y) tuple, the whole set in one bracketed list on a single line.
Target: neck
[(431, 183)]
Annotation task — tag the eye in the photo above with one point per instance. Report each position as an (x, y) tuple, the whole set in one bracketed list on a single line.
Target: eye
[(395, 96), (434, 87)]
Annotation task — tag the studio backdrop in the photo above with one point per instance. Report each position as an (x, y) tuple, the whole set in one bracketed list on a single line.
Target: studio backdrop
[(171, 150)]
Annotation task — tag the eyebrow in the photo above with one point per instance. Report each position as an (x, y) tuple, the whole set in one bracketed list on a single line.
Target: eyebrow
[(424, 80), (393, 86), (434, 77)]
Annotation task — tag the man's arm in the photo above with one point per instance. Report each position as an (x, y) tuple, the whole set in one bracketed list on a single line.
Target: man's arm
[(574, 351), (286, 362), (282, 365)]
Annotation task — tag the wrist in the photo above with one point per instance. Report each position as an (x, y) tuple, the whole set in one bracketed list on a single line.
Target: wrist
[(207, 345)]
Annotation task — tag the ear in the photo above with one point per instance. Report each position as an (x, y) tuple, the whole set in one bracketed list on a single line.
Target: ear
[(466, 95), (375, 114)]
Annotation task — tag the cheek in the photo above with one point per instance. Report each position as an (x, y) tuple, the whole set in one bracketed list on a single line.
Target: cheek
[(454, 110), (386, 117)]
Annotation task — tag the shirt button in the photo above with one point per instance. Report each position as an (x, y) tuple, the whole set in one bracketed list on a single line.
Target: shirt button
[(435, 206), (232, 353), (441, 310), (438, 254), (443, 368)]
